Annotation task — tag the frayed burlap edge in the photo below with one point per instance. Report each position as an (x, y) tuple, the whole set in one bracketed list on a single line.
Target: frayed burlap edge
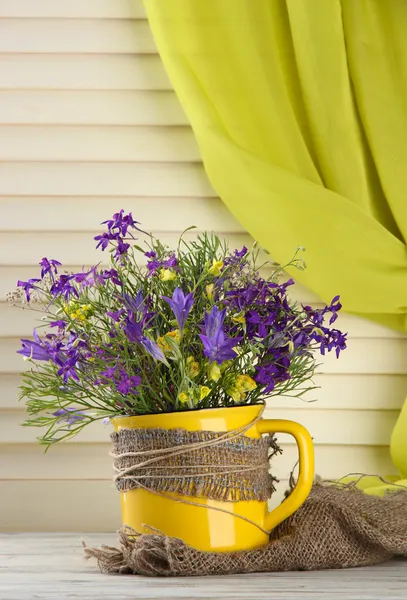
[(337, 527)]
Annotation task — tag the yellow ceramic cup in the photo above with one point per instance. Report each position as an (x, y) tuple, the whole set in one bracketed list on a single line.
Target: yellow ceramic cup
[(200, 526)]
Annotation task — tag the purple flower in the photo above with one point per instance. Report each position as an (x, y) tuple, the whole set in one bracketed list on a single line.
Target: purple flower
[(69, 415), (63, 287), (115, 315), (103, 240), (150, 254), (123, 382), (129, 385), (47, 348), (110, 372), (75, 342), (118, 227), (88, 278), (216, 346), (171, 262), (110, 274), (49, 266), (334, 308), (134, 332), (181, 306), (153, 349), (60, 324), (121, 248), (241, 252), (235, 259), (153, 265), (35, 350), (330, 340), (318, 315), (135, 304), (68, 368), (120, 223), (28, 286), (270, 374)]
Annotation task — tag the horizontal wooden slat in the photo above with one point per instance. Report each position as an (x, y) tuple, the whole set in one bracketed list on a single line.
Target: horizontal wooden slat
[(17, 322), (90, 108), (379, 356), (82, 72), (94, 179), (59, 506), (26, 214), (92, 461), (94, 144), (333, 427), (76, 248), (344, 391), (76, 36), (9, 391), (97, 9)]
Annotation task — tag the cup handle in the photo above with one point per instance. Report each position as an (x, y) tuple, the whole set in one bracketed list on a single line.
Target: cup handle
[(306, 468)]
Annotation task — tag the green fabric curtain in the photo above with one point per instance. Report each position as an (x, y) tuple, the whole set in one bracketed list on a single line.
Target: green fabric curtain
[(300, 111)]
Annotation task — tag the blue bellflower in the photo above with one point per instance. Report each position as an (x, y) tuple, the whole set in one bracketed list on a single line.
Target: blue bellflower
[(134, 332), (181, 306), (34, 350), (136, 304), (47, 348), (217, 347)]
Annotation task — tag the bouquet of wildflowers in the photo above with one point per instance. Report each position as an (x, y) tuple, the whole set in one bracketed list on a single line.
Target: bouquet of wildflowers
[(164, 330)]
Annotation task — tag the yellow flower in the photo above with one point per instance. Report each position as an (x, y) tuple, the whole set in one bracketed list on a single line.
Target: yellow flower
[(237, 396), (239, 318), (217, 266), (167, 275), (76, 312), (192, 367), (183, 397), (225, 365), (246, 383), (204, 391), (209, 291), (214, 372), (164, 345), (242, 385)]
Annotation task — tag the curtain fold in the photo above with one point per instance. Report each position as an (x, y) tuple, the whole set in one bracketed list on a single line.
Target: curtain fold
[(300, 112)]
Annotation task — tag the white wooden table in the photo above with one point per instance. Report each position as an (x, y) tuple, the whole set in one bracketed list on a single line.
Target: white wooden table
[(51, 566)]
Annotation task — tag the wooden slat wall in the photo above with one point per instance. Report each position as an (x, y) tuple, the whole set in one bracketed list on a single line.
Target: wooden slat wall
[(89, 124)]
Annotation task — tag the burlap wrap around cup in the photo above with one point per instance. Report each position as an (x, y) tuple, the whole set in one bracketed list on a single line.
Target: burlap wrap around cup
[(219, 466)]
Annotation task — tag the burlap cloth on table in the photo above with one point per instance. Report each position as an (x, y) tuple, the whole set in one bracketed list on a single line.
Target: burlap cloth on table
[(338, 526)]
